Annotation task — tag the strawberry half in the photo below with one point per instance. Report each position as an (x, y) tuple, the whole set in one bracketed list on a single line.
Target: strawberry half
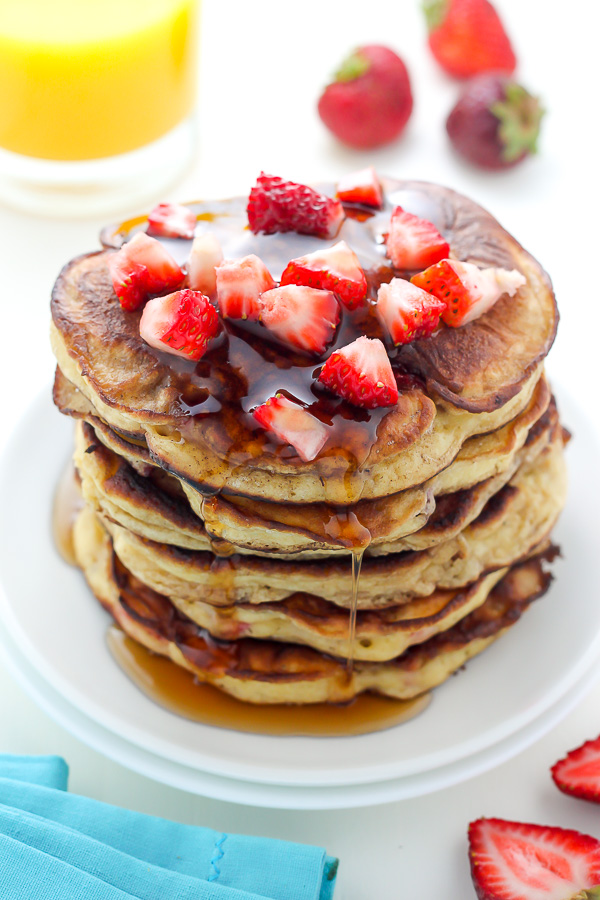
[(181, 323), (407, 312), (302, 316), (413, 243), (336, 269), (172, 220), (467, 290), (240, 282), (141, 267), (275, 205), (293, 425), (361, 373), (361, 187), (578, 774), (515, 861), (205, 256)]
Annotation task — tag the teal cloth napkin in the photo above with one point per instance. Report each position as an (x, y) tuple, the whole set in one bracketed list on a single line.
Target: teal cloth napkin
[(60, 846)]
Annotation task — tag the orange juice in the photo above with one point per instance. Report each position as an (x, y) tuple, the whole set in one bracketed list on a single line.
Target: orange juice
[(89, 79)]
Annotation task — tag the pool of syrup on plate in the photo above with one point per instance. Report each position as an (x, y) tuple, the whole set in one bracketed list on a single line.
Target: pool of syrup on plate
[(67, 504), (177, 690)]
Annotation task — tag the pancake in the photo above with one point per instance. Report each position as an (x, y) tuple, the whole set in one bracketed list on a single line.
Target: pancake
[(151, 505), (211, 542), (513, 523), (305, 619), (195, 419), (259, 671)]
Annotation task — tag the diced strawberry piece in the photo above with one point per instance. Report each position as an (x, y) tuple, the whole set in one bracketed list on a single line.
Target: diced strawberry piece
[(407, 312), (413, 243), (467, 290), (276, 205), (171, 220), (129, 281), (181, 323), (361, 373), (578, 773), (516, 861), (293, 425), (361, 187), (141, 267), (335, 269), (301, 316), (240, 282), (205, 256)]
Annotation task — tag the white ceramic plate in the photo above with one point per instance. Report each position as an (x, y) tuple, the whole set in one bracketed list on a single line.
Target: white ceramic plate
[(60, 630), (277, 796)]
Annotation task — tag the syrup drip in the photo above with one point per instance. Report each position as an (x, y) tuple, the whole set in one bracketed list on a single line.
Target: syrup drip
[(176, 690), (357, 558), (65, 507)]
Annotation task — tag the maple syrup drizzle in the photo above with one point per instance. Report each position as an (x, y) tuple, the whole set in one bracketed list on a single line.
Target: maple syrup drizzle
[(357, 558), (66, 505), (176, 689)]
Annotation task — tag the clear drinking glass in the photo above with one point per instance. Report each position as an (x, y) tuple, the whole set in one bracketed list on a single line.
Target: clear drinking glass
[(96, 101)]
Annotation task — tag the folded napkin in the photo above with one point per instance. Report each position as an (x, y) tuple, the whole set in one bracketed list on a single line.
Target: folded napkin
[(60, 846)]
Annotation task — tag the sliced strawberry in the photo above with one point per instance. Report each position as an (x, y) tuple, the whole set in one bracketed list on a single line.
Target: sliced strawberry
[(293, 425), (141, 267), (515, 861), (407, 312), (181, 323), (276, 205), (413, 243), (171, 220), (578, 773), (240, 282), (361, 373), (361, 187), (467, 290), (335, 269), (205, 256), (301, 316)]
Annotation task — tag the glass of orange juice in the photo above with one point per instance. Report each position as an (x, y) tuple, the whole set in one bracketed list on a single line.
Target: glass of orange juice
[(96, 101)]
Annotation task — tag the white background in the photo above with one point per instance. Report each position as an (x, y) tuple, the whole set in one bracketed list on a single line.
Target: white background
[(263, 64)]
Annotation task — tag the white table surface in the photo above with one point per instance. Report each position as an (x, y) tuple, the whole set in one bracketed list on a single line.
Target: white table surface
[(263, 64)]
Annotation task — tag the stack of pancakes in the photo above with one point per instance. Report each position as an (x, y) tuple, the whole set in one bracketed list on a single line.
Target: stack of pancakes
[(213, 543)]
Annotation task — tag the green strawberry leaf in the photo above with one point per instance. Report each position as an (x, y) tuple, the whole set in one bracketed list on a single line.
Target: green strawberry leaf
[(353, 67), (435, 13), (520, 115)]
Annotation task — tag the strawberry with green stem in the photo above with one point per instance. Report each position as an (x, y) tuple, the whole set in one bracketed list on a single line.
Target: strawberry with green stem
[(467, 37), (370, 100), (495, 122)]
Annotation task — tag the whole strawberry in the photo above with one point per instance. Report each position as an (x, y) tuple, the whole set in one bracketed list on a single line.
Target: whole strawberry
[(370, 101), (467, 37), (495, 122)]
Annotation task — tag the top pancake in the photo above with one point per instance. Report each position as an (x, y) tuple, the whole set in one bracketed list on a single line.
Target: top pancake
[(196, 418)]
